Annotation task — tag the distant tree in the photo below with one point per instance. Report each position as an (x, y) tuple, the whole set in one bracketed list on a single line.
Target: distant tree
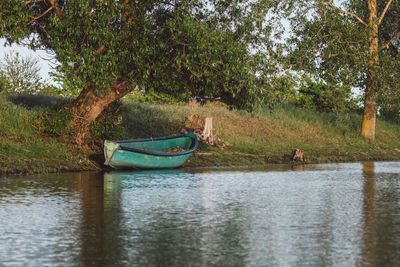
[(109, 48), (20, 74), (355, 43)]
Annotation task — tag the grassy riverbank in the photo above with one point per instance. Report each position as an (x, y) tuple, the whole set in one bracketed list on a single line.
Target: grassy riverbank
[(270, 136), (23, 150), (264, 137)]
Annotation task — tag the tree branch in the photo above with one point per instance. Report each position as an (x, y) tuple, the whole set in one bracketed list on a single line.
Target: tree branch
[(347, 12), (54, 4), (27, 2), (384, 11), (100, 49), (41, 15), (390, 41)]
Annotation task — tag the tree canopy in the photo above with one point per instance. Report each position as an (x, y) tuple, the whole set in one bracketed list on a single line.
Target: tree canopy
[(334, 45), (355, 44), (195, 48), (108, 48), (214, 49)]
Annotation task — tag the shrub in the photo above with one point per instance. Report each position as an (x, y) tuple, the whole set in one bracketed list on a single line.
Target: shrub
[(151, 97), (325, 97), (54, 121), (108, 124)]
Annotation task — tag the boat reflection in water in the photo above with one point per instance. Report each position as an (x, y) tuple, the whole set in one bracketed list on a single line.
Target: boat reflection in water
[(332, 214)]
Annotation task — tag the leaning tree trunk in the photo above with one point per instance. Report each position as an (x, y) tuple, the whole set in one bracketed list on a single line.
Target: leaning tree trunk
[(88, 106), (369, 116)]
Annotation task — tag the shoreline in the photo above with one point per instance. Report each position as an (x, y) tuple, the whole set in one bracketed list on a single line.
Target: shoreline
[(195, 161), (266, 137)]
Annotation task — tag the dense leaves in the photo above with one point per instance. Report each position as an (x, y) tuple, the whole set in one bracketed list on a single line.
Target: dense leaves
[(195, 48), (336, 44)]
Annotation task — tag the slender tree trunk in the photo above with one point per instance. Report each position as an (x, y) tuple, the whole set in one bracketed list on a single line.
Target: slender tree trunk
[(88, 106), (369, 117)]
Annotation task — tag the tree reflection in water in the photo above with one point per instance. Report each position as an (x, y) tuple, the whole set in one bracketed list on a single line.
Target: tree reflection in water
[(170, 221), (381, 215), (171, 217), (369, 248), (100, 219), (338, 214), (387, 211)]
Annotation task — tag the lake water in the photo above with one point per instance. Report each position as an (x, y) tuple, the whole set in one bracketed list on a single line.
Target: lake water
[(317, 215)]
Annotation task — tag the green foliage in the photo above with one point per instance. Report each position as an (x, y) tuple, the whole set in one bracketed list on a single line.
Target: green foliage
[(53, 90), (16, 120), (389, 106), (4, 84), (152, 97), (30, 101), (65, 87), (325, 97), (389, 95), (334, 46), (197, 48), (328, 44), (108, 124), (391, 114), (278, 90), (24, 150), (254, 138), (54, 121)]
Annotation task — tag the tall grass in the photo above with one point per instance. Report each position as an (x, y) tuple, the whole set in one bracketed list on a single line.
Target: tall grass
[(16, 120), (23, 150)]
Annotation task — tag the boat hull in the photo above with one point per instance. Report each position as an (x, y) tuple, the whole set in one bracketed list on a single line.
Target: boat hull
[(149, 153)]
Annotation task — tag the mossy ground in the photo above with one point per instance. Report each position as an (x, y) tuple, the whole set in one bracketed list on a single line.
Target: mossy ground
[(254, 139)]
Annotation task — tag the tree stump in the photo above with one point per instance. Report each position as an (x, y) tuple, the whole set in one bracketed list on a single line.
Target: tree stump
[(207, 133), (298, 155), (203, 129)]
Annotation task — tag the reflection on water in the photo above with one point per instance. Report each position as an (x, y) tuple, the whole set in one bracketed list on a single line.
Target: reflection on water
[(369, 248), (332, 214)]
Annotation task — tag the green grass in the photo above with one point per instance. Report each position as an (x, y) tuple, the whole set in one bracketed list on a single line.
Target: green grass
[(23, 150), (254, 139), (269, 136)]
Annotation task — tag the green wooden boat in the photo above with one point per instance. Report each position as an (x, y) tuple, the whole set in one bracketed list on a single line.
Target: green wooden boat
[(152, 153)]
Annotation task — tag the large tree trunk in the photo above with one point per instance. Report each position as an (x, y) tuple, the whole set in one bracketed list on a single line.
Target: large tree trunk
[(369, 116), (88, 106)]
